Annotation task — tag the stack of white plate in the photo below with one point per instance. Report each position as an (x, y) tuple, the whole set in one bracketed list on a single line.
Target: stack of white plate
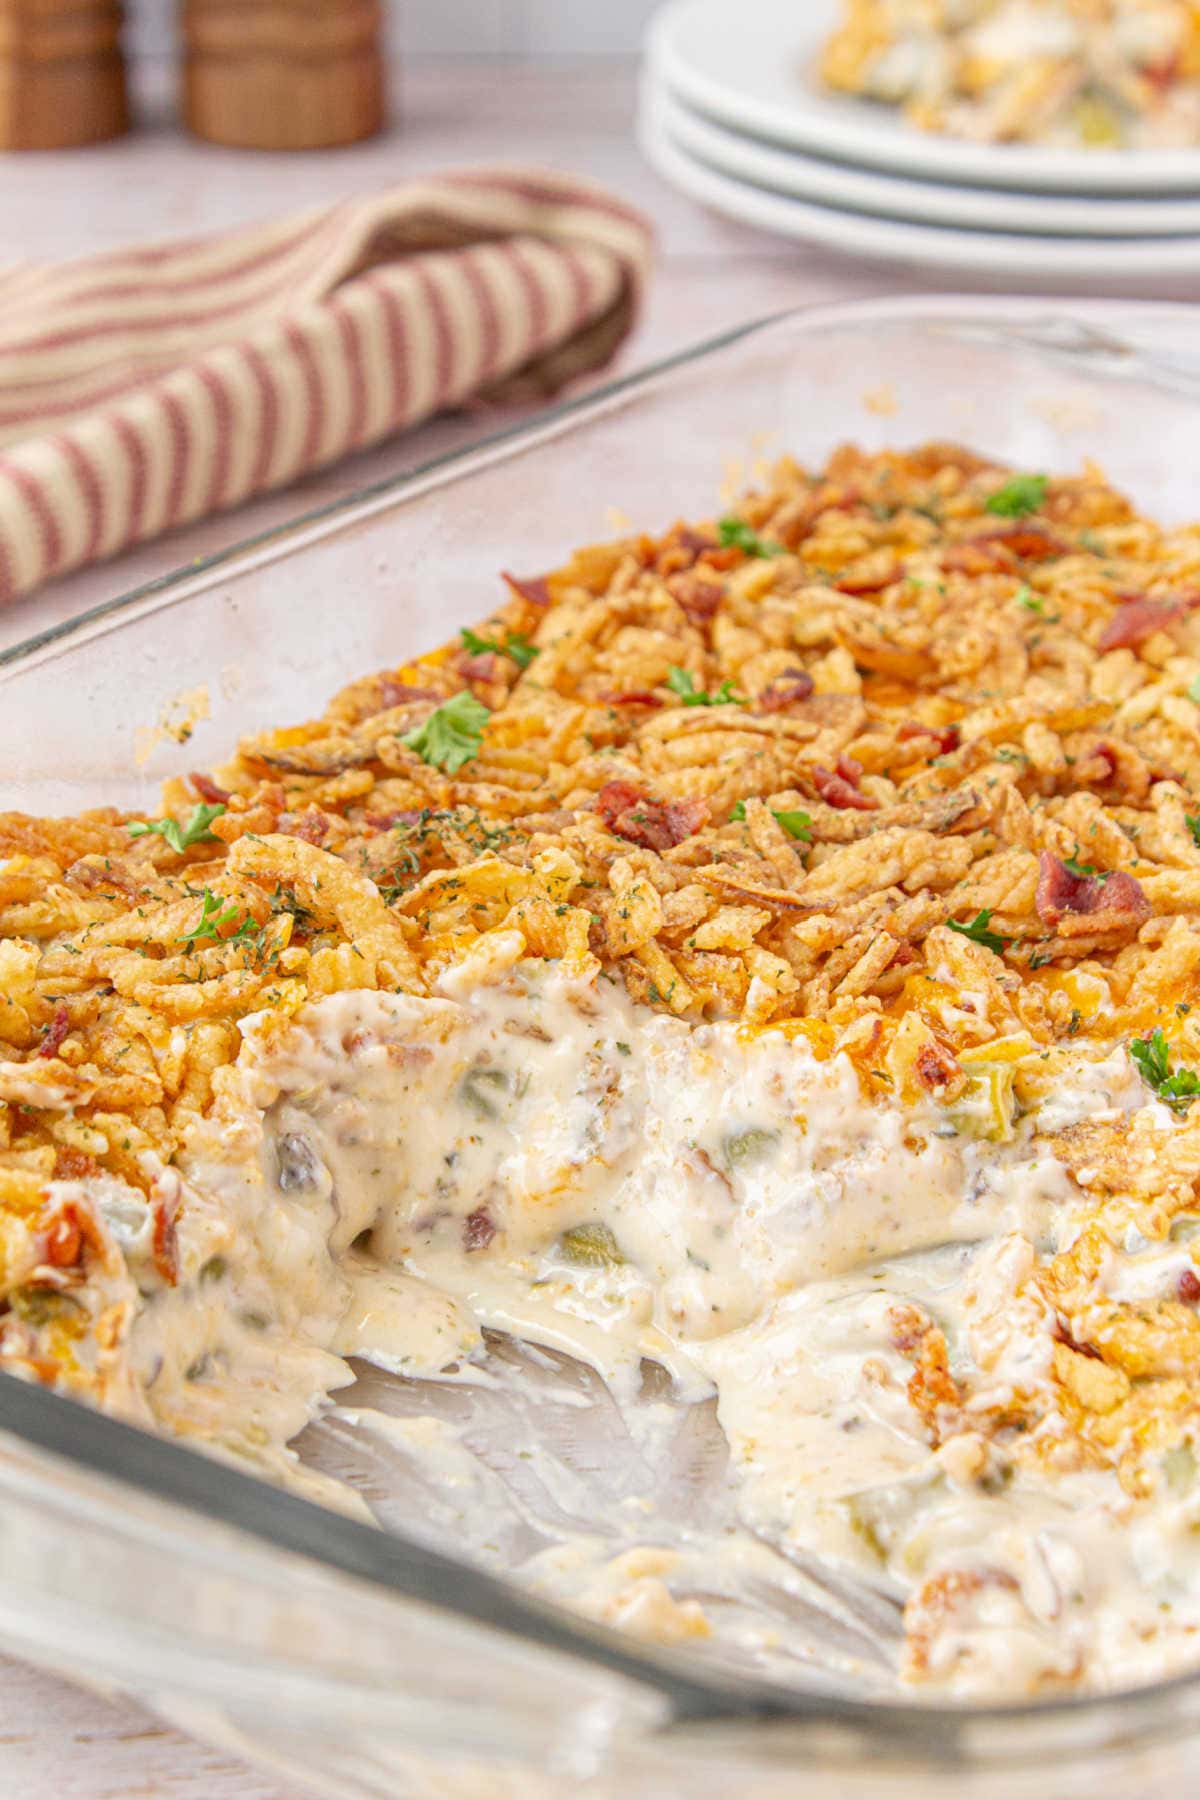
[(732, 113)]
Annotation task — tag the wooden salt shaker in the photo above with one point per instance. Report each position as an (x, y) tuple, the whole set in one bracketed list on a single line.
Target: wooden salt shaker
[(283, 74), (62, 74)]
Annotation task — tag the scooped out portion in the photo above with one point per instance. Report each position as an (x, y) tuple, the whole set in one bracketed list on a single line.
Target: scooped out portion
[(861, 1284)]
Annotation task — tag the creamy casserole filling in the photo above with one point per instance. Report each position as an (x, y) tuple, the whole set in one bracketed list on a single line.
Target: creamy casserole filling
[(539, 1155)]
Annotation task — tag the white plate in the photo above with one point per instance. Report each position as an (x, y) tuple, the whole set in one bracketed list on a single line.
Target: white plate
[(902, 197), (751, 66), (1009, 255)]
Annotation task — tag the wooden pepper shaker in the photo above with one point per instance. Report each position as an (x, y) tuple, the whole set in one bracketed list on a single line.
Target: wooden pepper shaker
[(283, 74), (62, 73)]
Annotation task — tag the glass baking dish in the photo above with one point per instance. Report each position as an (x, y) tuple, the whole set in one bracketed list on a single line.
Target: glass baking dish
[(357, 1660)]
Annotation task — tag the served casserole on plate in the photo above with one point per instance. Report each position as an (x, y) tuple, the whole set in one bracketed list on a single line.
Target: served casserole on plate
[(767, 949), (1071, 73)]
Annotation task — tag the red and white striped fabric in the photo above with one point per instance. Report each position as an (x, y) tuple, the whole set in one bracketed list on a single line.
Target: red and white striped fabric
[(144, 388)]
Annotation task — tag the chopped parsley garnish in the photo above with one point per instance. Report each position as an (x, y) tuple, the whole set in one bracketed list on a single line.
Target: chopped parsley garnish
[(194, 830), (1034, 603), (796, 824), (1082, 870), (978, 931), (1022, 494), (680, 682), (735, 534), (452, 733), (1192, 821), (214, 914), (1194, 689), (1152, 1059), (516, 646)]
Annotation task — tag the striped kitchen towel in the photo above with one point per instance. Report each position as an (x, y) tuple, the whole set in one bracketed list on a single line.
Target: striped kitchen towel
[(145, 388)]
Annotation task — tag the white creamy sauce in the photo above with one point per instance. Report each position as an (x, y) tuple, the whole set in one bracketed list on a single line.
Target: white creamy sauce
[(546, 1159)]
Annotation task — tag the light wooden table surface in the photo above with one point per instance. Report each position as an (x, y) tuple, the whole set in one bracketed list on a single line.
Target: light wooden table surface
[(55, 1742)]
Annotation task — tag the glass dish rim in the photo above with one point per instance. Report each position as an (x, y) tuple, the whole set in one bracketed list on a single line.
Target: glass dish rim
[(997, 310), (173, 1473)]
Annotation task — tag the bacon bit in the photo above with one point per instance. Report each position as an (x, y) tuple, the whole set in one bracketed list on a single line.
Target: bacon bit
[(59, 1026), (208, 790), (1137, 619), (166, 1244), (1188, 1287), (534, 588), (60, 1241), (404, 815), (478, 1229), (1028, 543), (654, 824), (1078, 905), (788, 689), (637, 697), (478, 668), (946, 737), (841, 788), (869, 584), (399, 693), (616, 797), (904, 955), (67, 1228), (934, 1066), (699, 599), (61, 1244), (311, 826)]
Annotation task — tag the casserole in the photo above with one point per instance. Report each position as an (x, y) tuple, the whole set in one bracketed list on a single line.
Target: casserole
[(1035, 389)]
